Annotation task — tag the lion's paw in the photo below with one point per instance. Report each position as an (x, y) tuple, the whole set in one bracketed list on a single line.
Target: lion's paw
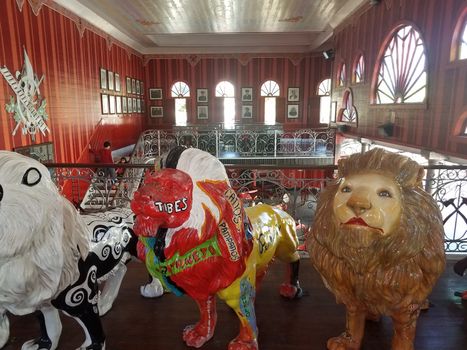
[(194, 336), (237, 344), (38, 344), (4, 329), (342, 342), (290, 291)]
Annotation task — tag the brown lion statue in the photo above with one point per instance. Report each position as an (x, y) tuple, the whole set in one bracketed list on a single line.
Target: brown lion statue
[(378, 243)]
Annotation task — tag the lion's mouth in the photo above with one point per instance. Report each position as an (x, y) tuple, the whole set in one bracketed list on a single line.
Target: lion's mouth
[(360, 222), (145, 226)]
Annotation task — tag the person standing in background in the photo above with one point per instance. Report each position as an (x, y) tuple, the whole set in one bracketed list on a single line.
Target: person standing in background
[(105, 157)]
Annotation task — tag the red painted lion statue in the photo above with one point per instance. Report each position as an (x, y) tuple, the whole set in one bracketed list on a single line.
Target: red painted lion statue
[(198, 240)]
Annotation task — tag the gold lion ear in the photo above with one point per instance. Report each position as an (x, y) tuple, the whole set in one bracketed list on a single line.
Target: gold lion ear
[(420, 176), (416, 177)]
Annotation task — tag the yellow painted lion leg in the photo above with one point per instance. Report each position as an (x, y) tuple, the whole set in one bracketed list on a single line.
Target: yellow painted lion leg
[(240, 296), (198, 334), (351, 339)]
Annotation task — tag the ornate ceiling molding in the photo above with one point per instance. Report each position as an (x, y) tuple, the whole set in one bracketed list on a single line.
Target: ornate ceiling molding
[(20, 4), (243, 58), (82, 25), (36, 5), (81, 28)]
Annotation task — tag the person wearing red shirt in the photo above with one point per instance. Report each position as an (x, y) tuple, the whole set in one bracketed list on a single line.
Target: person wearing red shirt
[(106, 158)]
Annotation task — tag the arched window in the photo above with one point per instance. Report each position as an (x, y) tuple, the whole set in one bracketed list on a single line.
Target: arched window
[(270, 90), (341, 75), (358, 70), (180, 91), (463, 43), (459, 42), (402, 69), (226, 90), (348, 112), (460, 128), (324, 93)]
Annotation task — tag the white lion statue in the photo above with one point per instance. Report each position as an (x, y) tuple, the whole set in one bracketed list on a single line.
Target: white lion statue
[(52, 258)]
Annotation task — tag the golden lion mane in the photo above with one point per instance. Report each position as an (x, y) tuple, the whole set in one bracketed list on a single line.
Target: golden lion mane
[(394, 268)]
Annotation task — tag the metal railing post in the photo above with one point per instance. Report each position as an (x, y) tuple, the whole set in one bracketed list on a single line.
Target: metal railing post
[(275, 143)]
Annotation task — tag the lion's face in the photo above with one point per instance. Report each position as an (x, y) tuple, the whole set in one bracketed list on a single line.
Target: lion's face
[(366, 207), (164, 200)]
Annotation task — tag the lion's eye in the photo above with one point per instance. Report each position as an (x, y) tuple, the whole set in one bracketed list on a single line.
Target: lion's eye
[(346, 189), (384, 193)]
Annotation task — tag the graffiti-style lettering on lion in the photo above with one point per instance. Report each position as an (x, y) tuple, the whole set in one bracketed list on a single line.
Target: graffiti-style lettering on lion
[(51, 258), (211, 246), (378, 243)]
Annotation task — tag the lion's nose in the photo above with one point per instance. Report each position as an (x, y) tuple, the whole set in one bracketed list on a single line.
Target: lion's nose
[(1, 193), (358, 204)]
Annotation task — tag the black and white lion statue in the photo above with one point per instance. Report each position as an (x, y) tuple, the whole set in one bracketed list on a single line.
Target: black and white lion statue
[(52, 258)]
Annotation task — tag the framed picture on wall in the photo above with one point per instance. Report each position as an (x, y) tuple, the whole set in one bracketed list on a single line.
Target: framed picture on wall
[(293, 94), (203, 112), (155, 94), (110, 77), (103, 78), (247, 94), (124, 105), (112, 109), (135, 109), (292, 111), (128, 85), (247, 111), (141, 87), (138, 91), (117, 82), (105, 103), (118, 101), (138, 105), (133, 86), (142, 106), (202, 95), (157, 112), (130, 105)]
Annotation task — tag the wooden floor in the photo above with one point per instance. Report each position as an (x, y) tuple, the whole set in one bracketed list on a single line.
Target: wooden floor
[(136, 323)]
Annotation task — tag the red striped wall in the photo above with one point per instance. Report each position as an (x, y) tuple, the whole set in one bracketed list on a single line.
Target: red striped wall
[(431, 127), (208, 72), (71, 65)]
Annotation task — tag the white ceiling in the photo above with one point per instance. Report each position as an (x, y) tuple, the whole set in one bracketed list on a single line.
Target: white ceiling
[(216, 26)]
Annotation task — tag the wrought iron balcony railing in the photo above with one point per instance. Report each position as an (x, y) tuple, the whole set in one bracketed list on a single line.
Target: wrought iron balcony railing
[(294, 188), (260, 144)]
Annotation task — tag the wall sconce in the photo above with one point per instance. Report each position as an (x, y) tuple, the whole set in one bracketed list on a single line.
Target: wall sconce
[(328, 54)]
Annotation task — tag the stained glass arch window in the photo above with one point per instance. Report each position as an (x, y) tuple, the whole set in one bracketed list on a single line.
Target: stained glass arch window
[(463, 43), (180, 92), (270, 88), (180, 89), (226, 90), (459, 40), (402, 76), (347, 113), (324, 93), (341, 75), (358, 70)]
